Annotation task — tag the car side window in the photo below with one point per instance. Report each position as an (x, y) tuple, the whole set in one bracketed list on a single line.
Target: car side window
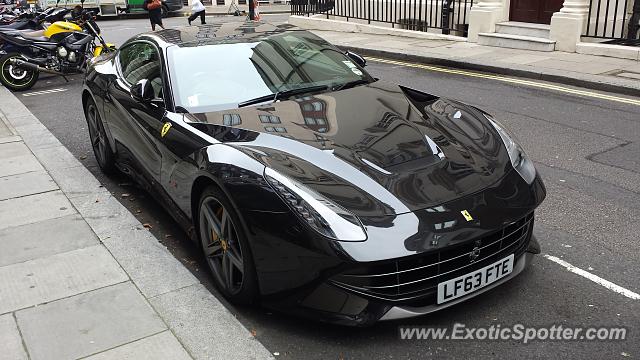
[(141, 61)]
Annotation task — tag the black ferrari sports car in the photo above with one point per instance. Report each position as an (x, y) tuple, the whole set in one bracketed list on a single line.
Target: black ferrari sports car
[(311, 186)]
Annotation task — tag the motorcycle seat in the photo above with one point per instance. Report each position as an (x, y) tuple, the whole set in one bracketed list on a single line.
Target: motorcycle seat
[(36, 35)]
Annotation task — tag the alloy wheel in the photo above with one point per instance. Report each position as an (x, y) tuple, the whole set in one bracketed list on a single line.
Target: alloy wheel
[(15, 77), (221, 245), (96, 134)]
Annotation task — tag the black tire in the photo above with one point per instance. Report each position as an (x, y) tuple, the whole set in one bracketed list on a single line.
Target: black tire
[(14, 78), (223, 244), (165, 12), (98, 137)]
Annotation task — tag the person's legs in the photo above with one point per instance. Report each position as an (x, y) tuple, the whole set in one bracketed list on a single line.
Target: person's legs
[(202, 14), (192, 17)]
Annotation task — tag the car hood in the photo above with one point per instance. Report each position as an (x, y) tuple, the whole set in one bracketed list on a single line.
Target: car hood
[(378, 149)]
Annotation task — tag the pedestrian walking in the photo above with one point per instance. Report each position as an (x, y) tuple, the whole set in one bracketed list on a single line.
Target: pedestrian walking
[(197, 9), (154, 8)]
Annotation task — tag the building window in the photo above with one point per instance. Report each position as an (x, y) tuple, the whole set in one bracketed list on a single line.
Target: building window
[(269, 119), (231, 119), (310, 121), (278, 129), (317, 106)]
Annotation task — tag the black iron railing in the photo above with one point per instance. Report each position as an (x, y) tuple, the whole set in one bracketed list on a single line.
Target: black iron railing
[(610, 19), (448, 16)]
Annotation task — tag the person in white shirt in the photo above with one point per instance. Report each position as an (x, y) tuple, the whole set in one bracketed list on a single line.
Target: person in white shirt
[(197, 9)]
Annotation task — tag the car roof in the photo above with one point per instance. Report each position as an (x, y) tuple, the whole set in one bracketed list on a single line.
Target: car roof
[(212, 34)]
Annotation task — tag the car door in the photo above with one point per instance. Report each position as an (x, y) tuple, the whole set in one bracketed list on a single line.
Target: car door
[(133, 124)]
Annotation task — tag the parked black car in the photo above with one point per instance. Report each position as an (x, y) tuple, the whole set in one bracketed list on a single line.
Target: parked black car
[(311, 186)]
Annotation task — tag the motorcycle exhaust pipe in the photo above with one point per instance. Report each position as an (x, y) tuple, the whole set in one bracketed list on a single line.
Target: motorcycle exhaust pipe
[(30, 66)]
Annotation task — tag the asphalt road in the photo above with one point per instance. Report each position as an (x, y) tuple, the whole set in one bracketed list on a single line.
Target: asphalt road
[(586, 149)]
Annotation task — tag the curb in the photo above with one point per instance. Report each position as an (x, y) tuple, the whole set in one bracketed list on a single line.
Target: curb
[(201, 323), (594, 82)]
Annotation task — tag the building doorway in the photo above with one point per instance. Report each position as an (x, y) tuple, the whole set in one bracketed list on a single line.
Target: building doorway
[(534, 11)]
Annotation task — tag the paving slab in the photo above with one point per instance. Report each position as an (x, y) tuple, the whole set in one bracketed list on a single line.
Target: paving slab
[(10, 342), (149, 264), (4, 130), (19, 165), (523, 59), (207, 329), (36, 136), (13, 149), (11, 108), (55, 157), (34, 208), (163, 346), (10, 139), (88, 323), (46, 279), (589, 68), (21, 118), (44, 238), (19, 185), (104, 213), (78, 181)]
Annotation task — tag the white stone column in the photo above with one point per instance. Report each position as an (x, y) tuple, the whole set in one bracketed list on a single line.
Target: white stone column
[(484, 16), (569, 23)]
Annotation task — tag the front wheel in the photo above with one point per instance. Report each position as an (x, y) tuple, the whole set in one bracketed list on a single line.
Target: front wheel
[(16, 78), (226, 248), (98, 137)]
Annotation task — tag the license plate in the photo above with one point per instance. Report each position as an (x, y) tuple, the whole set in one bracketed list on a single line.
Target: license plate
[(466, 284)]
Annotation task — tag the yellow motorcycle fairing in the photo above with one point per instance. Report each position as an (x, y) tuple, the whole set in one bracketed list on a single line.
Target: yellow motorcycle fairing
[(60, 27)]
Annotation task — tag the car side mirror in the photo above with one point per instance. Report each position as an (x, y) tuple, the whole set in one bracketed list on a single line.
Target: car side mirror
[(142, 91), (357, 59)]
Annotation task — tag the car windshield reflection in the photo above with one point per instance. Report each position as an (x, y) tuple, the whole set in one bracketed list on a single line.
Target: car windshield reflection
[(220, 76)]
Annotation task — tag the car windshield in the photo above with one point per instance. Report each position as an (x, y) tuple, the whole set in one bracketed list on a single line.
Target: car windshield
[(215, 77)]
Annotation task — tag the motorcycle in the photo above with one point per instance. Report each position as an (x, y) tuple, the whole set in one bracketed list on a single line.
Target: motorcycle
[(33, 20), (64, 49)]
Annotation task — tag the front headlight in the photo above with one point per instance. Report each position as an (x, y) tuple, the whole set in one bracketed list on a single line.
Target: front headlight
[(322, 214), (519, 160)]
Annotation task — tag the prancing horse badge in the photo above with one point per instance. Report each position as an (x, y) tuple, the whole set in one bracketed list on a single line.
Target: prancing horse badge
[(165, 129), (466, 215)]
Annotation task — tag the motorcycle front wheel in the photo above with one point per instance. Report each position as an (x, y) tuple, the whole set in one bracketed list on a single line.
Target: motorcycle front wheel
[(15, 78)]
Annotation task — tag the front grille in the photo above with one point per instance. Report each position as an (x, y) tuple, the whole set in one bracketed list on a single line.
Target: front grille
[(417, 277)]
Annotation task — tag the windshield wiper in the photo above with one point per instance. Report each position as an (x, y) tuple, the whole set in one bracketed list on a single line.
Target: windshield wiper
[(350, 84), (283, 94)]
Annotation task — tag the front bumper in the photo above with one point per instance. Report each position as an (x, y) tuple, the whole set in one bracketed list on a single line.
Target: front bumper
[(333, 304), (403, 312)]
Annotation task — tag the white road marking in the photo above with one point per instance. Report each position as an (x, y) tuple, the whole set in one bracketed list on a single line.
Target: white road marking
[(42, 92), (596, 279)]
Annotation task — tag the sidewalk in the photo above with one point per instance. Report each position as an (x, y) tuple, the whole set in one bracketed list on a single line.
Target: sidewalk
[(264, 9), (590, 71), (80, 277)]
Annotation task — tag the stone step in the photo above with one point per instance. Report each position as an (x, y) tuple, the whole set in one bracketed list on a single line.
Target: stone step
[(516, 41), (523, 29)]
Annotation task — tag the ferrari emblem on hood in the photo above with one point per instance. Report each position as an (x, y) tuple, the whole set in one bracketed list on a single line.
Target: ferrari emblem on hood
[(466, 215)]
